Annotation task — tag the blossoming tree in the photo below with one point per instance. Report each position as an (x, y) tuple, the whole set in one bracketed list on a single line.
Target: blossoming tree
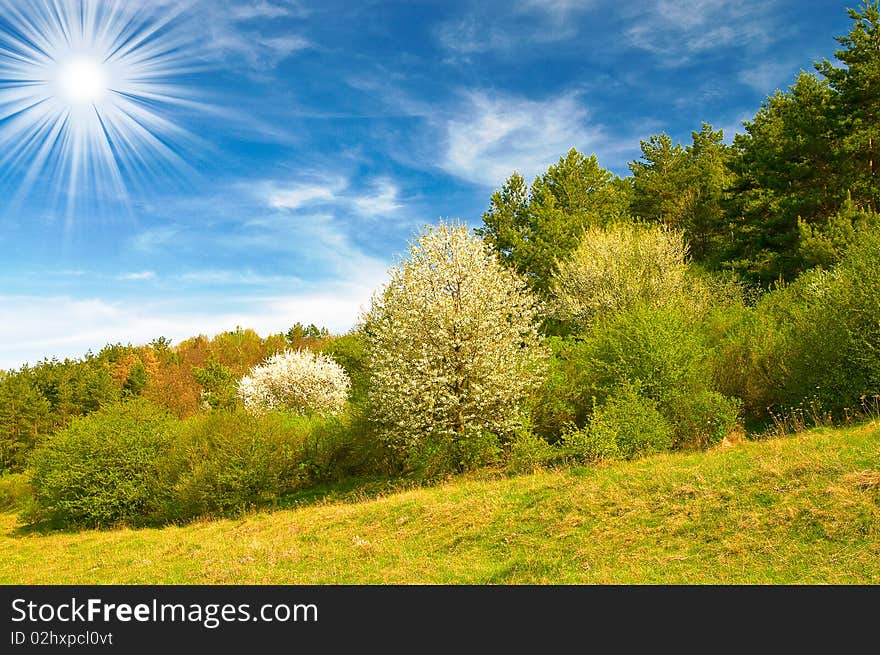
[(300, 381), (454, 347)]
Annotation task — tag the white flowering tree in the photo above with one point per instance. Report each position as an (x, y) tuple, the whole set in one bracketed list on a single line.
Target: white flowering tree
[(453, 342), (300, 381)]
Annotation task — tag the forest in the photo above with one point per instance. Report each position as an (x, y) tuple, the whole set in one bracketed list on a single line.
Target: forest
[(720, 291)]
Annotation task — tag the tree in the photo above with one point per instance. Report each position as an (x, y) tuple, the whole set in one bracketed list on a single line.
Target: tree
[(300, 381), (613, 269), (856, 104), (682, 188), (529, 227), (808, 151), (785, 174), (309, 336), (218, 384), (453, 350), (662, 182), (238, 349), (25, 415)]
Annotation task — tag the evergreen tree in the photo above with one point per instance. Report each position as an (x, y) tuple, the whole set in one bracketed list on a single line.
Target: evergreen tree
[(531, 226), (856, 105)]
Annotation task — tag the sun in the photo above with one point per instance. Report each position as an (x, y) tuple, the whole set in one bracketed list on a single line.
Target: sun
[(89, 93), (83, 80)]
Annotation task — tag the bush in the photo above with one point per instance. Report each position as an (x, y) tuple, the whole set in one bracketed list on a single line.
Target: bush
[(750, 357), (350, 351), (632, 423), (432, 459), (225, 461), (813, 343), (528, 452), (134, 464), (15, 492), (565, 397), (105, 468), (834, 346), (299, 381), (703, 418), (581, 444), (658, 349), (625, 426), (666, 356)]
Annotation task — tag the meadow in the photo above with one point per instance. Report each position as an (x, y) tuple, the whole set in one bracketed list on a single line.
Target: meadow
[(793, 510)]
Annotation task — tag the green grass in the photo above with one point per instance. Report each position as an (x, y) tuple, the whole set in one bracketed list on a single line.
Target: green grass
[(804, 509)]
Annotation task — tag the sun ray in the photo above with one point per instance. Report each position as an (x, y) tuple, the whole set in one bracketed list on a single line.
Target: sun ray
[(87, 91)]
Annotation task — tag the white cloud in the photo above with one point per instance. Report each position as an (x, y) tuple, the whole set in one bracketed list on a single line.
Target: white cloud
[(505, 28), (677, 31), (495, 135), (263, 9), (226, 30), (282, 47), (227, 278), (383, 199), (302, 194), (141, 275), (153, 239), (768, 76), (380, 197)]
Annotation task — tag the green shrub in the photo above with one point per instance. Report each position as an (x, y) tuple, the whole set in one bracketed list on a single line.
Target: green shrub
[(836, 343), (134, 464), (702, 418), (749, 358), (105, 468), (664, 352), (229, 461), (442, 455), (350, 351), (815, 342), (15, 492), (616, 267), (564, 397), (658, 349), (528, 452), (581, 444), (632, 423), (224, 461)]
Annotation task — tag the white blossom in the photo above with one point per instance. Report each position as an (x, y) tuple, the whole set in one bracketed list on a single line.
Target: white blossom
[(300, 381), (453, 341)]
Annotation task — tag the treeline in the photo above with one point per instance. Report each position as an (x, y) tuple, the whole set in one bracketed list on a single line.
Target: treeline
[(590, 317), (791, 193), (198, 373)]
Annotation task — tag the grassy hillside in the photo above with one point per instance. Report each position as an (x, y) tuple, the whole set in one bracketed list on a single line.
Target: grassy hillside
[(804, 509)]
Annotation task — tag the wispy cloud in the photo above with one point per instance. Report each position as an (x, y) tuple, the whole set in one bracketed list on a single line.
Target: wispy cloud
[(235, 278), (382, 198), (138, 276), (497, 134), (265, 9), (153, 239), (677, 31), (236, 32), (305, 194), (768, 76), (505, 27)]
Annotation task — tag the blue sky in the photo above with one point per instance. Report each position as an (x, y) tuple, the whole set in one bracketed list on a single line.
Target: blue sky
[(299, 145)]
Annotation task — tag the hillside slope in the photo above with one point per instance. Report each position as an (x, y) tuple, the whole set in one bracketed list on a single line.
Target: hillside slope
[(804, 509)]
